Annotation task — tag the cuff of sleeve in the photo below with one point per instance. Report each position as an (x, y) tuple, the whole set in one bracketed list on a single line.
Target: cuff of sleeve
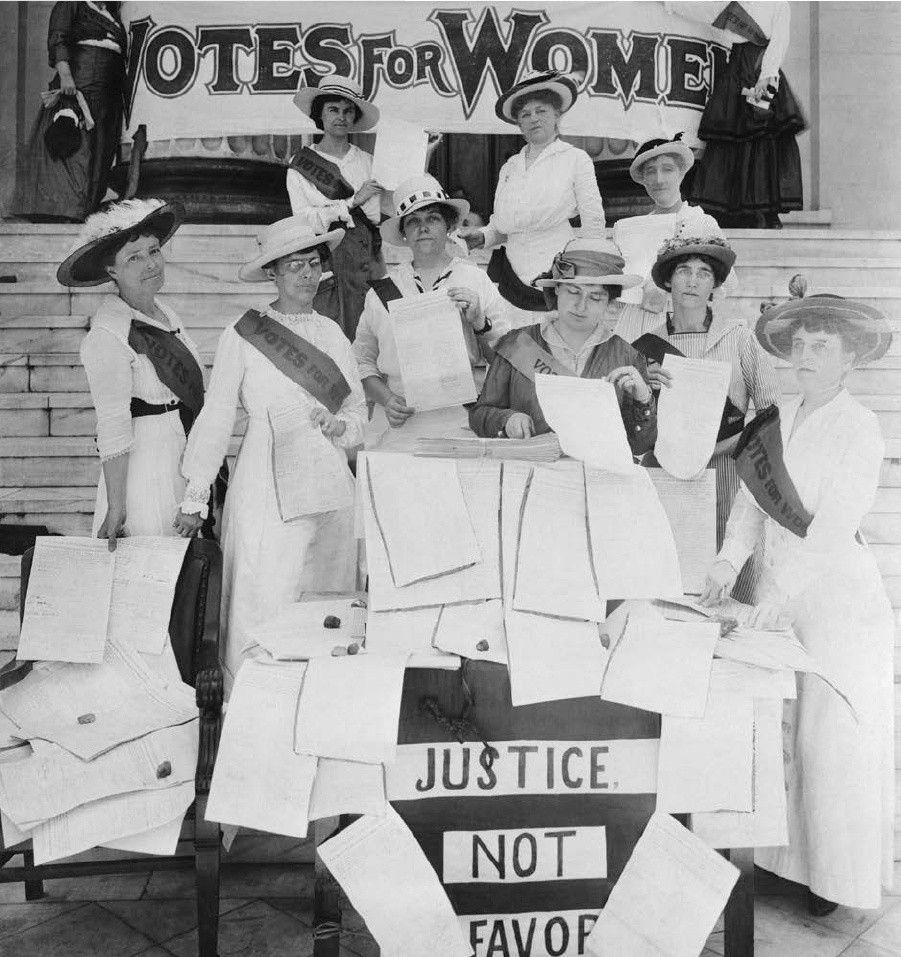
[(195, 508), (108, 456), (734, 553), (196, 501)]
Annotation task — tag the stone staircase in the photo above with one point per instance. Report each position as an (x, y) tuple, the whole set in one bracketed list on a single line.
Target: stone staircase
[(48, 463)]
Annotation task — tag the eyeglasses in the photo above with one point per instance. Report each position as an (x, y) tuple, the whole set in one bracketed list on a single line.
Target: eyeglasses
[(695, 272), (295, 266)]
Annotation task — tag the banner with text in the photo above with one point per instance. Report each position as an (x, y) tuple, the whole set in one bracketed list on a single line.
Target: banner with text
[(216, 69)]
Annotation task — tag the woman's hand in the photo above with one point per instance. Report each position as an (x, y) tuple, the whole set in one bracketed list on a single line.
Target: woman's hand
[(187, 525), (369, 189), (66, 83), (397, 410), (769, 616), (721, 580), (472, 236), (434, 141), (658, 376), (330, 425), (629, 379), (113, 526), (519, 426), (467, 301)]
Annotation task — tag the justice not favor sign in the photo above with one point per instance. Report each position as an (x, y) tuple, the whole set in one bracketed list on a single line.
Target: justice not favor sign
[(528, 834)]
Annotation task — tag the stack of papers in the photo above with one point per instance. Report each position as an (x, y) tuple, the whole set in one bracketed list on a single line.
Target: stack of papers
[(100, 736), (539, 448)]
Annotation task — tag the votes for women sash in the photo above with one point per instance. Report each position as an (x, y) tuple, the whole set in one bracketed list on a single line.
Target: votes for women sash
[(734, 17), (322, 174), (386, 289), (761, 466), (299, 360), (529, 358), (173, 362)]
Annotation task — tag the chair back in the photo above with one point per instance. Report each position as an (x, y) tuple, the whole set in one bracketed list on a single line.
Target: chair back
[(194, 621)]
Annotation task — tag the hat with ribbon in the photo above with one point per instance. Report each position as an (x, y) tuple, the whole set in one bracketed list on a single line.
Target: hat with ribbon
[(865, 324), (552, 81), (415, 193), (588, 262), (651, 149), (286, 236), (107, 230), (689, 242), (339, 87)]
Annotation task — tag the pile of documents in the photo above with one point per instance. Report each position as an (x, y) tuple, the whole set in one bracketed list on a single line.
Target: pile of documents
[(538, 448), (99, 739)]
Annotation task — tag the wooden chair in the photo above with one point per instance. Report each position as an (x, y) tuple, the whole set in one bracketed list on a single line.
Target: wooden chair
[(194, 633)]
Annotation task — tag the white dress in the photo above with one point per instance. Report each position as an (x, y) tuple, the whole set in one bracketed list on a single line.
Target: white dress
[(268, 563), (533, 207), (840, 773), (154, 443)]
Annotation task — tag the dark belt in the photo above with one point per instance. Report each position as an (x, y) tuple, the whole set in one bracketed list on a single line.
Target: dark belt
[(140, 408)]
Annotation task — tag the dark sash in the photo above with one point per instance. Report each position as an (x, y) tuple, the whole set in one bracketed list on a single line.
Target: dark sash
[(760, 465), (511, 287), (528, 357), (734, 17), (298, 359), (325, 176), (386, 289), (655, 348), (173, 363)]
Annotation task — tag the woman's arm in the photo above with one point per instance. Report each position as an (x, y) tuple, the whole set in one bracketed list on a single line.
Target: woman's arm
[(588, 198), (778, 46), (488, 417), (60, 34)]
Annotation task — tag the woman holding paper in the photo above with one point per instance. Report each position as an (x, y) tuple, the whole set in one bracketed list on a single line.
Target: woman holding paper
[(348, 198), (690, 266), (539, 191), (424, 214), (660, 167), (573, 340), (840, 773), (143, 370), (286, 364)]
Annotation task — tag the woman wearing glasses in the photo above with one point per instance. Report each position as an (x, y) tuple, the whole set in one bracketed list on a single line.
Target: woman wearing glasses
[(287, 358), (575, 339), (690, 267)]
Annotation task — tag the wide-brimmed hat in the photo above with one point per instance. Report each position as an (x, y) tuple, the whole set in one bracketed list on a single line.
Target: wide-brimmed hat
[(689, 241), (556, 82), (413, 194), (866, 323), (588, 262), (106, 230), (647, 151), (342, 87), (290, 235)]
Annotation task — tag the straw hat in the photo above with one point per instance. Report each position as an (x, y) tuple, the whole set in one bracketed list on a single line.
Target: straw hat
[(106, 231), (674, 147), (687, 242), (865, 323), (587, 262), (556, 82), (413, 194), (291, 235), (342, 87)]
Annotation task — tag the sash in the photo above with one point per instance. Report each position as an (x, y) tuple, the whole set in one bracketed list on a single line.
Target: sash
[(324, 175), (760, 465), (299, 360), (386, 289), (735, 18), (655, 348), (173, 363), (529, 358), (511, 287)]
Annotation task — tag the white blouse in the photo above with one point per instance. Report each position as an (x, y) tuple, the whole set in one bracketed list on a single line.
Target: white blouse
[(241, 373), (116, 372), (310, 204), (532, 207), (834, 459), (374, 346)]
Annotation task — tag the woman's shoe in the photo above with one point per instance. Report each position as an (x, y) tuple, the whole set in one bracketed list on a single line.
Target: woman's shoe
[(819, 906)]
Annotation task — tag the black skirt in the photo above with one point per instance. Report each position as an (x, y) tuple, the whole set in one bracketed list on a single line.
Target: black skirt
[(73, 188), (751, 162)]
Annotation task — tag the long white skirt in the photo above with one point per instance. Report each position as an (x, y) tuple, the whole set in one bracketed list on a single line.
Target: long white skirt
[(155, 487)]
